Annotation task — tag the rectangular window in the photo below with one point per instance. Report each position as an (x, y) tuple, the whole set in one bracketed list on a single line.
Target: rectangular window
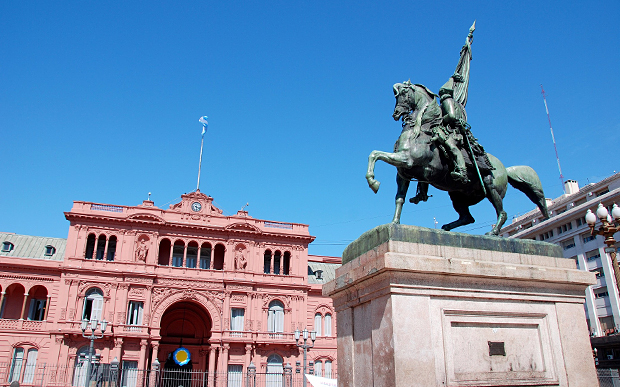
[(601, 294), (592, 255), (318, 319), (31, 363), (587, 238), (568, 244), (235, 375), (134, 313), (37, 310), (328, 325), (16, 364), (236, 321), (318, 368), (129, 374), (328, 368)]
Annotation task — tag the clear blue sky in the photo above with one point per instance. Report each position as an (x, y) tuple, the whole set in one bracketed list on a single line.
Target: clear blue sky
[(100, 102)]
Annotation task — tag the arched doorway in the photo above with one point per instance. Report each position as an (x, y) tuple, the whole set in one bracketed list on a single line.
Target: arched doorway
[(186, 325)]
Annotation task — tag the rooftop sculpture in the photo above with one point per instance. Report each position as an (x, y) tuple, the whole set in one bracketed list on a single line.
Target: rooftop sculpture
[(436, 147)]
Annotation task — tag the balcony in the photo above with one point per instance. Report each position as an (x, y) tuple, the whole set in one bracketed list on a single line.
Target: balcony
[(259, 337), (28, 325)]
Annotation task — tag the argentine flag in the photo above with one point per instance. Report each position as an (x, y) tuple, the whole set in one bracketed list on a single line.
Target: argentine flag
[(205, 124)]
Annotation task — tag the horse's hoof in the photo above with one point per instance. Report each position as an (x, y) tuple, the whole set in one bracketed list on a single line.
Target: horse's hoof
[(492, 233), (374, 185), (445, 227)]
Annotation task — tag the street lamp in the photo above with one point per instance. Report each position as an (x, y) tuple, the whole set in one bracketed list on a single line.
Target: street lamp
[(92, 336), (305, 347), (610, 224)]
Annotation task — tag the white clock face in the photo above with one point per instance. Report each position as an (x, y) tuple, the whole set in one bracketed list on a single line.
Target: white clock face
[(196, 206)]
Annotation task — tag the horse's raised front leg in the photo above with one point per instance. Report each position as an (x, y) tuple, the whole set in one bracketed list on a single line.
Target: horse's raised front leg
[(401, 194), (399, 159)]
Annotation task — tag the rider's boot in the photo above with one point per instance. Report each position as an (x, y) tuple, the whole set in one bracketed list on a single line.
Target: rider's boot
[(421, 194), (460, 175)]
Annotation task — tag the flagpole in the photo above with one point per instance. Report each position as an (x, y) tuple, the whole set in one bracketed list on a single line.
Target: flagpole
[(205, 124)]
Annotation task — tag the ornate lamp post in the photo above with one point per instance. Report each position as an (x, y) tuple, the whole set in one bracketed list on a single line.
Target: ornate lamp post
[(305, 347), (92, 336), (607, 229)]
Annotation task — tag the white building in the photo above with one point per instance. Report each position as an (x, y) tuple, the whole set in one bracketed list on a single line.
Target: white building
[(567, 227)]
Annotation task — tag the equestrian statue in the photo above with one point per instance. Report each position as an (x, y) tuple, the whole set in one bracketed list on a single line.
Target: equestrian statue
[(436, 147)]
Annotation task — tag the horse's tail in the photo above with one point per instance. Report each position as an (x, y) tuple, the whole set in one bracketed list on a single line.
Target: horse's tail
[(526, 180)]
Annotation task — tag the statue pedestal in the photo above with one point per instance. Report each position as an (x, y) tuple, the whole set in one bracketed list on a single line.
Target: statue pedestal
[(423, 307)]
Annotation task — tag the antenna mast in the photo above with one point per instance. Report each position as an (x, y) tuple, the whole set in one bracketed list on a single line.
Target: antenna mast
[(553, 137)]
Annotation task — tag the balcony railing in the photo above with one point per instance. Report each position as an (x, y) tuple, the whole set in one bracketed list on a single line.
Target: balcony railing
[(22, 324)]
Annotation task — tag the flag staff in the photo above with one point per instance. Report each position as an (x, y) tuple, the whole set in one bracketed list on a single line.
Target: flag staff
[(205, 125)]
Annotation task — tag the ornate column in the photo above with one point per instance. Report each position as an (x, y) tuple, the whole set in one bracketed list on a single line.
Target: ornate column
[(184, 263), (155, 352), (2, 301), (47, 307), (141, 363), (21, 316), (248, 355), (225, 360), (118, 348), (211, 370)]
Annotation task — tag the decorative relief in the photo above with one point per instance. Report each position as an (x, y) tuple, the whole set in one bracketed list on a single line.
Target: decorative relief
[(238, 298), (142, 248), (71, 313), (238, 287), (188, 283), (120, 318), (111, 316), (241, 260), (138, 280), (159, 294), (136, 292), (63, 313)]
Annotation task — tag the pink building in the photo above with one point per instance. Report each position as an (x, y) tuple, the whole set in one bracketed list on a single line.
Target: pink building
[(231, 290)]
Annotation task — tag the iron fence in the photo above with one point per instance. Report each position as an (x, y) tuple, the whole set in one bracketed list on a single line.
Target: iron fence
[(106, 375), (608, 377)]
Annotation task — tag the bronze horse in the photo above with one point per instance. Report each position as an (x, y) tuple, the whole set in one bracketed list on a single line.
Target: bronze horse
[(417, 157)]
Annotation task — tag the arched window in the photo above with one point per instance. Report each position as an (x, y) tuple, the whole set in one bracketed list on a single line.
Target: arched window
[(111, 248), (90, 246), (317, 323), (275, 371), (37, 304), (205, 256), (164, 252), (277, 259), (93, 305), (192, 255), (286, 265), (18, 361), (267, 262), (275, 317), (328, 369), (178, 250), (318, 368), (218, 257), (328, 325), (100, 247)]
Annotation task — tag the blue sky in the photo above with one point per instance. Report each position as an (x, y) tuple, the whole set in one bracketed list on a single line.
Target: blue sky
[(100, 102)]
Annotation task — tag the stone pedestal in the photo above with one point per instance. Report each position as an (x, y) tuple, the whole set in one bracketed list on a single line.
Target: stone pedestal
[(423, 307)]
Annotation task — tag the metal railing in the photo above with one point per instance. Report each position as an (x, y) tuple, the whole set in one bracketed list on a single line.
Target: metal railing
[(106, 375), (608, 377)]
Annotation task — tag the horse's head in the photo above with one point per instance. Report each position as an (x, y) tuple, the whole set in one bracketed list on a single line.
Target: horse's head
[(403, 92)]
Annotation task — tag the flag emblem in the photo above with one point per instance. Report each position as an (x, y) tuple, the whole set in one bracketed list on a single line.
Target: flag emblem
[(205, 123)]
